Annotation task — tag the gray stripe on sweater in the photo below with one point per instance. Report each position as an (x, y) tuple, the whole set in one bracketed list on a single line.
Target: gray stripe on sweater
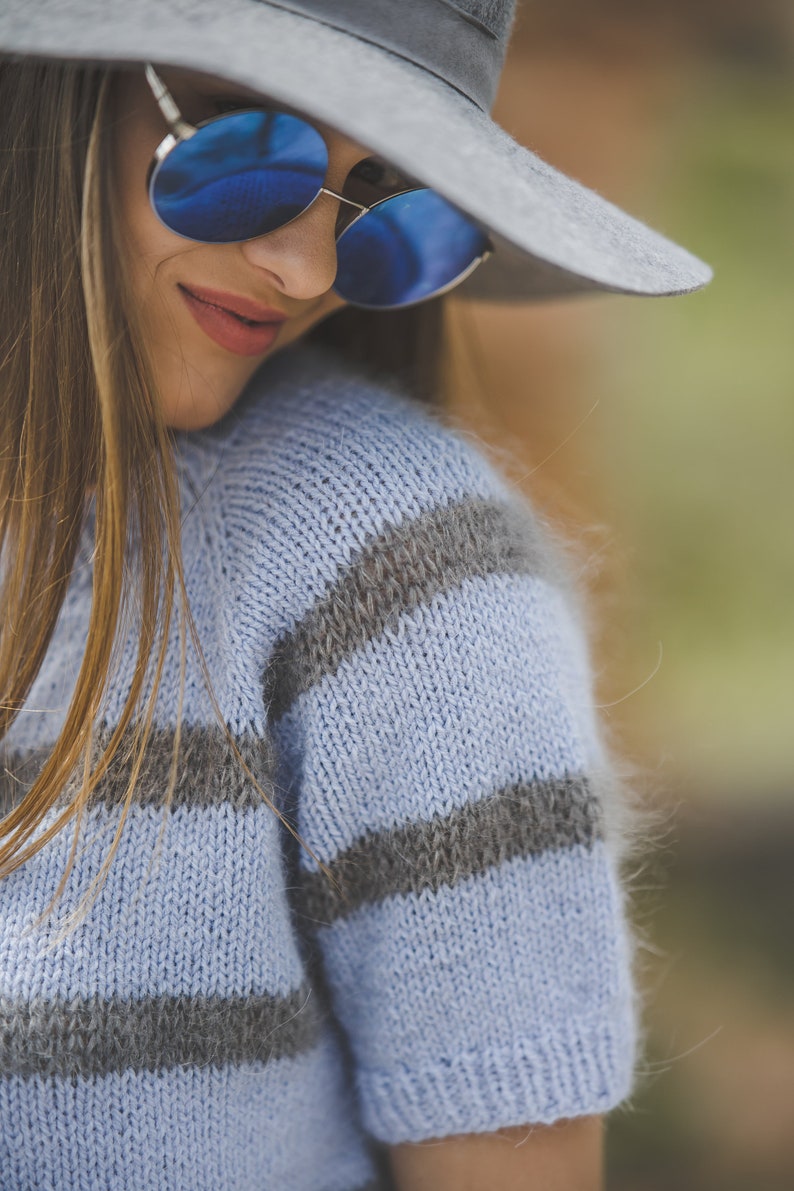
[(18, 770), (521, 820), (94, 1037), (208, 771), (395, 573)]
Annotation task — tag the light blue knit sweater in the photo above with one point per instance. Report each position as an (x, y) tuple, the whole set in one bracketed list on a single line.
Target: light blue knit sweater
[(394, 648)]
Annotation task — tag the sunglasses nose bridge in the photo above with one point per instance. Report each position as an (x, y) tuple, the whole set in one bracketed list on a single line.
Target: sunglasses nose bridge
[(349, 213), (342, 199)]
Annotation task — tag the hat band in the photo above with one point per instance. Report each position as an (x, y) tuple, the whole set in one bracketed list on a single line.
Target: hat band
[(434, 34)]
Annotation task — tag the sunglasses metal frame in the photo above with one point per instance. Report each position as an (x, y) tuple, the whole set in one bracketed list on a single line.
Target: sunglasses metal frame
[(181, 130)]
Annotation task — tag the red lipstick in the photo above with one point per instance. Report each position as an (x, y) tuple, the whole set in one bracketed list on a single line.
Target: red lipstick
[(236, 323)]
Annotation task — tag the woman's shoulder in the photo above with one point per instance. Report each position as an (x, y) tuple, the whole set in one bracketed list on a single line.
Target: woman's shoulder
[(320, 433), (322, 466), (329, 430)]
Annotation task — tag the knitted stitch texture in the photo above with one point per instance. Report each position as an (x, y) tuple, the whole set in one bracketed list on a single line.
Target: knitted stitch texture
[(394, 647)]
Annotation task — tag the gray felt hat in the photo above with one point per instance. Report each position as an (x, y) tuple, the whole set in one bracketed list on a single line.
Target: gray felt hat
[(413, 81)]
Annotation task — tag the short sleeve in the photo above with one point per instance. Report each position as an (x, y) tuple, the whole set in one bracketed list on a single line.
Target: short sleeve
[(449, 775)]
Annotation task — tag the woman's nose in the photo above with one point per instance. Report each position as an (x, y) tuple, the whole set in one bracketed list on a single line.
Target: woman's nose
[(300, 257)]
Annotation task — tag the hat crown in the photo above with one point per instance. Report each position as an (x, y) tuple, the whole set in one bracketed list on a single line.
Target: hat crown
[(462, 42), (495, 15)]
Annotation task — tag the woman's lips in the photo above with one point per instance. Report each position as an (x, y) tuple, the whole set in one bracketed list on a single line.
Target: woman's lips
[(235, 323)]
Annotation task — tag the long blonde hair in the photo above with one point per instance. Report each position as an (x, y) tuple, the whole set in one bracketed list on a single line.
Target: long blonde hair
[(70, 352)]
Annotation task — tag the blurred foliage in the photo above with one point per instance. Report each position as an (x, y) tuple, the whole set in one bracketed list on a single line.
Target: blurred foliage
[(700, 432), (713, 1110), (701, 428), (660, 436)]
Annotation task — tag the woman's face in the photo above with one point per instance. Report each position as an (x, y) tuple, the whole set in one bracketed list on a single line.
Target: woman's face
[(202, 355)]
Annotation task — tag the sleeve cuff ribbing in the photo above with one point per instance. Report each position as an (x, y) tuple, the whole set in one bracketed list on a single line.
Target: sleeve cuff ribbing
[(584, 1069)]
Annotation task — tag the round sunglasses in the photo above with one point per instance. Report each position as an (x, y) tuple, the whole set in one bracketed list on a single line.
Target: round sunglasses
[(247, 172)]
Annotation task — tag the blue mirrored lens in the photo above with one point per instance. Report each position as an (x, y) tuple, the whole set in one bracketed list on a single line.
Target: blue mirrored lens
[(239, 176), (404, 250)]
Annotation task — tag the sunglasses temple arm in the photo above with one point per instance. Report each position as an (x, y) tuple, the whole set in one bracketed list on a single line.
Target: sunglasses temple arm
[(167, 105)]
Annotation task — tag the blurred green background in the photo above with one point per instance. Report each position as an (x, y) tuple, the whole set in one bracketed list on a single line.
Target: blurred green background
[(659, 434)]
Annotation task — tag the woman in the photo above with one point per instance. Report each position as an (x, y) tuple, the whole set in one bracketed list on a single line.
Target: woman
[(330, 901)]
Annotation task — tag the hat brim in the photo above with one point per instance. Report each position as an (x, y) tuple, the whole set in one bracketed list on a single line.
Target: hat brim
[(552, 235)]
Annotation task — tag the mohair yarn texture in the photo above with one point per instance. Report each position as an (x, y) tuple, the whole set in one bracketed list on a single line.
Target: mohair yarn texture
[(394, 646)]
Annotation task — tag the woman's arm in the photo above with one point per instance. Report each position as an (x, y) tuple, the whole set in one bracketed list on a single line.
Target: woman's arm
[(566, 1156)]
